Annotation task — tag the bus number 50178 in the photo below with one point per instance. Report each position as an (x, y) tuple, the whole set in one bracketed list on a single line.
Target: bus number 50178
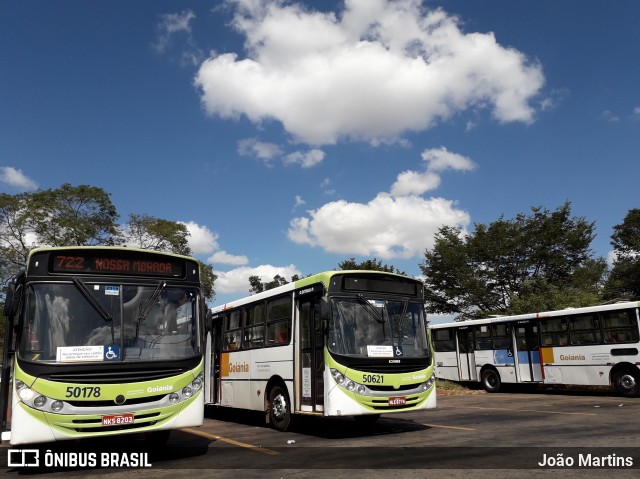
[(86, 392)]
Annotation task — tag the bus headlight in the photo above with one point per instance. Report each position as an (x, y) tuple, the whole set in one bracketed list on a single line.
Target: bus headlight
[(187, 392), (174, 398), (427, 385), (338, 376), (35, 400), (40, 402), (348, 384), (26, 394), (196, 384)]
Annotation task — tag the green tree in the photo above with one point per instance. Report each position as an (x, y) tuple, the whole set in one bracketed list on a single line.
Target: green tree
[(532, 262), (17, 225), (258, 286), (624, 280), (207, 280), (157, 234), (369, 265), (75, 216)]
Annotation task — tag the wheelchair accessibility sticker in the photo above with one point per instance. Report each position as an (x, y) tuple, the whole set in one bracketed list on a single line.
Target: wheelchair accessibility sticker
[(112, 352)]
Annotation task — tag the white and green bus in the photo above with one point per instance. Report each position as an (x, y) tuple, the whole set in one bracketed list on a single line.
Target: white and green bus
[(340, 343), (102, 341), (593, 346)]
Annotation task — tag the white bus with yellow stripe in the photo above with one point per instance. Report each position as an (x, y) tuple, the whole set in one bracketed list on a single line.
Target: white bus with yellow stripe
[(102, 342), (592, 346), (340, 343)]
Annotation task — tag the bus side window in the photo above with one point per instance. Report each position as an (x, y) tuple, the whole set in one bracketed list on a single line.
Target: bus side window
[(620, 326), (232, 335), (279, 321), (232, 341)]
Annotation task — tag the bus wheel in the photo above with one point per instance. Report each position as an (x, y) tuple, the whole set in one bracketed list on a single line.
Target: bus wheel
[(279, 409), (627, 382), (491, 380)]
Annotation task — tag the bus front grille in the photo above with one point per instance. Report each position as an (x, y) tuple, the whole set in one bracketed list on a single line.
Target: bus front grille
[(113, 377)]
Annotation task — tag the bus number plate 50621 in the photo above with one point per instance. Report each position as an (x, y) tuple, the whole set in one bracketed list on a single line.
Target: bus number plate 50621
[(117, 420)]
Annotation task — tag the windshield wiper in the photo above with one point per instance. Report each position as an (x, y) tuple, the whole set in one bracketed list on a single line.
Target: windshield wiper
[(97, 305), (106, 315), (399, 324), (373, 311), (144, 312)]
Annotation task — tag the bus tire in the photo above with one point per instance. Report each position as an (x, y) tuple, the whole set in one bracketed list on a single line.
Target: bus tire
[(491, 380), (279, 408), (627, 382)]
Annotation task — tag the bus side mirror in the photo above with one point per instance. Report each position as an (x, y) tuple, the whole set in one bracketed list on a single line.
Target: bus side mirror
[(12, 298)]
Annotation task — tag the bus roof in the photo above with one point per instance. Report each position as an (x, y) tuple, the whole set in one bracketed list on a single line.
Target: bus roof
[(323, 278), (540, 315), (47, 249), (53, 249)]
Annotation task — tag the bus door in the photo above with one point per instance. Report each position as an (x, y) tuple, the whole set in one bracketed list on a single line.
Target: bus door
[(214, 350), (310, 374), (527, 351), (466, 356)]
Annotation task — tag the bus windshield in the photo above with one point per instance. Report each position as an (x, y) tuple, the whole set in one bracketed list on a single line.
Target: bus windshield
[(73, 322), (377, 328)]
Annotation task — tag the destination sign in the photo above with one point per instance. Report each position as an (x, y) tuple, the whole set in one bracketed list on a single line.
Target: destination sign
[(83, 262)]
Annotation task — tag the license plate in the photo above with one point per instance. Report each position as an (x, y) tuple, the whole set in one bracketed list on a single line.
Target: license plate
[(117, 420), (399, 401)]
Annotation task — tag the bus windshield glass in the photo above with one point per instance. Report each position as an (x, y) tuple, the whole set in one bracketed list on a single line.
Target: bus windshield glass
[(377, 328), (75, 322)]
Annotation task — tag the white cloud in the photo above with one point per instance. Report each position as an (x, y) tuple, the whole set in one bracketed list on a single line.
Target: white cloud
[(307, 159), (437, 161), (171, 24), (201, 240), (400, 224), (237, 280), (386, 227), (16, 178), (610, 116), (258, 149), (299, 201), (222, 257), (371, 72), (174, 32)]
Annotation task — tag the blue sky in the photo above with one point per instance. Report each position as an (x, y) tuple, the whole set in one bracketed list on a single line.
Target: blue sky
[(291, 136)]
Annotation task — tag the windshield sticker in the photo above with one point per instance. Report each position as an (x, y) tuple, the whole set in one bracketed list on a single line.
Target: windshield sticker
[(377, 303), (79, 353), (380, 351), (112, 353), (112, 290)]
